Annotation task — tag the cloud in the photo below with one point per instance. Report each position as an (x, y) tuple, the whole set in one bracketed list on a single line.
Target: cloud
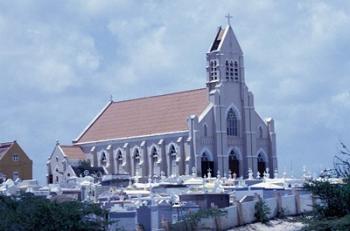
[(60, 61)]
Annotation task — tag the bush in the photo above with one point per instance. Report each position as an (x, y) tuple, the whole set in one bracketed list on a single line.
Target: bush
[(190, 222), (336, 224), (262, 211), (28, 212), (335, 198)]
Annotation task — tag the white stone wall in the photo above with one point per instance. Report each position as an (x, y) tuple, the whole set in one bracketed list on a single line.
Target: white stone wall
[(243, 213)]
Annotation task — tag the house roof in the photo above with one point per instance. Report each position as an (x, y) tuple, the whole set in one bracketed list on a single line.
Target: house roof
[(146, 116), (4, 147), (73, 152)]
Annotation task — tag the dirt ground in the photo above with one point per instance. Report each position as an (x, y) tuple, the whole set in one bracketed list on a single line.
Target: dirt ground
[(288, 224)]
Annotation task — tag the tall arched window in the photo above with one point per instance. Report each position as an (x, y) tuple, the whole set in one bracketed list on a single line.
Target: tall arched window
[(205, 130), (261, 133), (172, 160), (137, 156), (154, 161), (120, 157), (137, 160), (154, 154), (103, 159), (232, 123), (119, 160)]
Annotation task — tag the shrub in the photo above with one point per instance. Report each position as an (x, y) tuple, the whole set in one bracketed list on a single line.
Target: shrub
[(28, 212), (335, 198), (262, 211)]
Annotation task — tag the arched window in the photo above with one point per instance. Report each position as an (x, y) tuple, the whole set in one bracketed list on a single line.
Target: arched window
[(172, 151), (137, 160), (172, 160), (261, 133), (103, 159), (137, 156), (213, 69), (232, 123), (227, 67), (205, 130), (236, 70), (154, 155), (119, 157)]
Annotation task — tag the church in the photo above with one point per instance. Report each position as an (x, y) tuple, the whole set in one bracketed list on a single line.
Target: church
[(213, 130)]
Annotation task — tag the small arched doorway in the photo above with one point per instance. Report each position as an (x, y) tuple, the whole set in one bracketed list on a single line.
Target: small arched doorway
[(207, 165), (261, 164), (233, 163)]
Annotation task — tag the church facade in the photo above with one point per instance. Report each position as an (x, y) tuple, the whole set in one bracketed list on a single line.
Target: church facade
[(213, 129)]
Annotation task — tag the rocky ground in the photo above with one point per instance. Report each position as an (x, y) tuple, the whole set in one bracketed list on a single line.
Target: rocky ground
[(288, 224)]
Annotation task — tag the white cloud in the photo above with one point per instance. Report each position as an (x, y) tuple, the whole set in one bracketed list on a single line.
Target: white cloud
[(87, 49)]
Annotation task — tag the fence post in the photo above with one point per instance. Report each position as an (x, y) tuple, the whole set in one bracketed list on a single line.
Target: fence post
[(297, 202), (279, 203), (239, 213)]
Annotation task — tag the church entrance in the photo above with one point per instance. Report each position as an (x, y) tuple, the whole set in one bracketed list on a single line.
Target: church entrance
[(233, 163), (207, 166), (261, 165)]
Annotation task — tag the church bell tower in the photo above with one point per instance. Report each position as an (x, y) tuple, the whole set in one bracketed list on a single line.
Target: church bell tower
[(224, 59)]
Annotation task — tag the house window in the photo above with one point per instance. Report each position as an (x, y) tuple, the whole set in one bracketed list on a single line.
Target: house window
[(232, 123), (56, 159), (15, 157), (15, 175)]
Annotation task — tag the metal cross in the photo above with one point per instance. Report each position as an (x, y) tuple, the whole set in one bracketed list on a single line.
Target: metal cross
[(228, 16)]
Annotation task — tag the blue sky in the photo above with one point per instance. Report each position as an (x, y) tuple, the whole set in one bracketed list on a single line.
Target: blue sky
[(61, 60)]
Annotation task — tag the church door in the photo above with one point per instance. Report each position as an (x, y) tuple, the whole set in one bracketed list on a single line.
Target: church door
[(234, 163), (207, 166), (261, 165)]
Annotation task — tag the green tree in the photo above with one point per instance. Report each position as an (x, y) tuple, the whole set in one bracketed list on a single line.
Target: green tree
[(28, 212), (262, 211), (333, 211)]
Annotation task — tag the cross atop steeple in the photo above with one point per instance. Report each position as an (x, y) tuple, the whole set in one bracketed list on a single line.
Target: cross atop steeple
[(228, 16)]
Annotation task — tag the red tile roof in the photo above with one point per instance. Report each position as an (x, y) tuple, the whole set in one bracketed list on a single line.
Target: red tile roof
[(144, 116), (73, 152), (4, 147)]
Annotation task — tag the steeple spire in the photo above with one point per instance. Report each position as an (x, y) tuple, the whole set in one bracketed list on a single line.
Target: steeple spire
[(225, 58)]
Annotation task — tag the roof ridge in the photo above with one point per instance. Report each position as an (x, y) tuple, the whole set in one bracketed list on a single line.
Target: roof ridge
[(6, 143), (70, 146), (154, 96)]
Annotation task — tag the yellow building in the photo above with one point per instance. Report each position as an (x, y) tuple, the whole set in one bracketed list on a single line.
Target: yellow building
[(14, 162)]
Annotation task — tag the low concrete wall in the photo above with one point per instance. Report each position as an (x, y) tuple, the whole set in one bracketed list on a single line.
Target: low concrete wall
[(243, 213)]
